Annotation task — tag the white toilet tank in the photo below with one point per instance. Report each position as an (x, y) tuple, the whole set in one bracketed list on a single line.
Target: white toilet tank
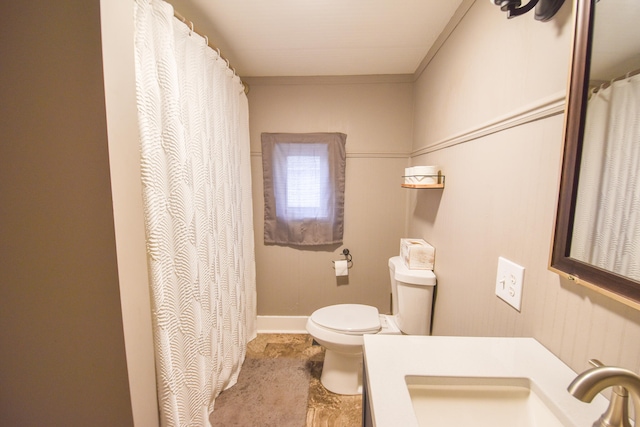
[(412, 297)]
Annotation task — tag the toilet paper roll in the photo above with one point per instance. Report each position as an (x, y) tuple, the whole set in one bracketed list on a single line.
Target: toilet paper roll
[(342, 267)]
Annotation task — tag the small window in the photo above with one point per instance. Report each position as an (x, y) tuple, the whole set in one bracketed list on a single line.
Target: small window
[(304, 188), (303, 171)]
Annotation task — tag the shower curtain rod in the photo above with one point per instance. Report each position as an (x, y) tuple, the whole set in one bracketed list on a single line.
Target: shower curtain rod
[(190, 24), (604, 85)]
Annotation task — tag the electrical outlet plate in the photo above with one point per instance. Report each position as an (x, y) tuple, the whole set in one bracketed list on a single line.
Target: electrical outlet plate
[(509, 282)]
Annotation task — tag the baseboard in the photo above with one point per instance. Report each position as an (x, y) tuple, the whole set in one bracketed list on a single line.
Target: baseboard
[(282, 324)]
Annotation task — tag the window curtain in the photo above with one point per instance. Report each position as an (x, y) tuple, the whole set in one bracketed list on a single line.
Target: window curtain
[(195, 162), (606, 230), (304, 182)]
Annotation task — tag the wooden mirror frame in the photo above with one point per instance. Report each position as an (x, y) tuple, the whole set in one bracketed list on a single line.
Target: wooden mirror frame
[(605, 282)]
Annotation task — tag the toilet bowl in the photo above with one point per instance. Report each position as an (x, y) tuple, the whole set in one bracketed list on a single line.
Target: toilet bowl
[(340, 328)]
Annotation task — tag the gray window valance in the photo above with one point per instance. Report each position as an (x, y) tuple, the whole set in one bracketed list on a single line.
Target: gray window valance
[(304, 181)]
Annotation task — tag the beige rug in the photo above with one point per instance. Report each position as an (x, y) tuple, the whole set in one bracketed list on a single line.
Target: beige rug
[(269, 392)]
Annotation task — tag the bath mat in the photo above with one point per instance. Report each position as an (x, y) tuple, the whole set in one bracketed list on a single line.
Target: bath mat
[(269, 392)]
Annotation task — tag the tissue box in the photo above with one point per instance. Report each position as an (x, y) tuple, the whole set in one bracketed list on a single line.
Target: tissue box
[(417, 254)]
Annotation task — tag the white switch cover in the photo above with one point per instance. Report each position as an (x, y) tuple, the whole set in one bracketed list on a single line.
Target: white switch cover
[(509, 282)]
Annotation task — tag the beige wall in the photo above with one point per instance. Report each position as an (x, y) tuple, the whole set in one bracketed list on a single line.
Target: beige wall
[(501, 190), (375, 113), (126, 189), (62, 352)]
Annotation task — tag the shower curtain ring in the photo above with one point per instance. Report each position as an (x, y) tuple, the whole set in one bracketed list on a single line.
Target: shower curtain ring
[(191, 26), (206, 41)]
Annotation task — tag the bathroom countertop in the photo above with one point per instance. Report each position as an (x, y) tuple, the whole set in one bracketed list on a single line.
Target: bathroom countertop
[(390, 358)]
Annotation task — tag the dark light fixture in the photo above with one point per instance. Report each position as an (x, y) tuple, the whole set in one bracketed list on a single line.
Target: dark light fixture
[(545, 9)]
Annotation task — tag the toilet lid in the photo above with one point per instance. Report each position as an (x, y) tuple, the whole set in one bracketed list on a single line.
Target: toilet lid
[(348, 318)]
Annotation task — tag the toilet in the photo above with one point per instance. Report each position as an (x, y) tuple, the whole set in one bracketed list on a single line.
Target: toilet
[(340, 328)]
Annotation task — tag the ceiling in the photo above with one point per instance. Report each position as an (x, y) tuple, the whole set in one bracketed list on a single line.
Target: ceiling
[(321, 37), (616, 43)]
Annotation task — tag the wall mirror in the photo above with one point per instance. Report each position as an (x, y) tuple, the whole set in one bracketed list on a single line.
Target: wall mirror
[(597, 235)]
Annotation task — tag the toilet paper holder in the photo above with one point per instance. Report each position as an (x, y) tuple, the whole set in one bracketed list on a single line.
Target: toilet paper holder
[(347, 257)]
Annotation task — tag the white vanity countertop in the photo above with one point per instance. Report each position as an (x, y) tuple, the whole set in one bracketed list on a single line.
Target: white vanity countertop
[(390, 358)]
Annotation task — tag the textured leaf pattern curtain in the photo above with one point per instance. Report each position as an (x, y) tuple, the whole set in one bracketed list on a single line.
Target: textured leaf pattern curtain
[(194, 132), (606, 230)]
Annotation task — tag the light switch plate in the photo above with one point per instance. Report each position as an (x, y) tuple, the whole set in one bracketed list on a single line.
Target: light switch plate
[(509, 282)]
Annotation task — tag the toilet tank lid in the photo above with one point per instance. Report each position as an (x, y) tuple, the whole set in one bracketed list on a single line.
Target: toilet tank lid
[(348, 318), (413, 277)]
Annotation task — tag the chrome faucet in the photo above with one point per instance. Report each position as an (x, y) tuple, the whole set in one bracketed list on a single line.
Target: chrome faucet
[(624, 382)]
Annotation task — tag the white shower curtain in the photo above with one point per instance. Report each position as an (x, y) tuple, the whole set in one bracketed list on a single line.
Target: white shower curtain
[(607, 219), (193, 118)]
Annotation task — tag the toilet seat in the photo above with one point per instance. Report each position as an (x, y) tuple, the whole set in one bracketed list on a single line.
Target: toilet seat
[(351, 319)]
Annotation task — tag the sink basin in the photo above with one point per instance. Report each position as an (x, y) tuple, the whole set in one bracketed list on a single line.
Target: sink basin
[(469, 381), (481, 401)]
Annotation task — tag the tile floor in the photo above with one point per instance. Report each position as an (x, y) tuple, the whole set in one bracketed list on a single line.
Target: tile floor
[(324, 409)]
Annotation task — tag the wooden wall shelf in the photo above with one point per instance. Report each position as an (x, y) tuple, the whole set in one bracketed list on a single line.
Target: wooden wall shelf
[(423, 186), (439, 185)]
